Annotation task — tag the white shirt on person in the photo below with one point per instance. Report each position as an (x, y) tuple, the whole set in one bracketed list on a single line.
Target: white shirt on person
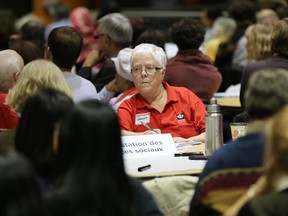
[(82, 89)]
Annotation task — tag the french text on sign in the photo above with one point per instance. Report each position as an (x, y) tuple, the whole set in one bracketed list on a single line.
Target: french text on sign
[(147, 146)]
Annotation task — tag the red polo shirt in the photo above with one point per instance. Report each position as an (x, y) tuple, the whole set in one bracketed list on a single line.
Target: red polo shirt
[(183, 114)]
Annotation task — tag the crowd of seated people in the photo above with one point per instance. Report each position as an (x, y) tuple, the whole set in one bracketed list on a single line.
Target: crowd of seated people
[(67, 98)]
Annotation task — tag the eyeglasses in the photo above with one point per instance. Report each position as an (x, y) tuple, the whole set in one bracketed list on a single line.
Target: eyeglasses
[(148, 69), (96, 37)]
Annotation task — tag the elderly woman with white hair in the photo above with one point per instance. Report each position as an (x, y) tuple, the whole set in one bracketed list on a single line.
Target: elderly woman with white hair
[(158, 106)]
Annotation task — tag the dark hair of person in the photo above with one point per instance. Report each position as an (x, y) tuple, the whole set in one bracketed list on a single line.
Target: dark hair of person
[(139, 26), (187, 33), (7, 23), (19, 187), (34, 134), (90, 153), (108, 7), (65, 44), (27, 50), (243, 11), (153, 36), (34, 31), (213, 13), (279, 37)]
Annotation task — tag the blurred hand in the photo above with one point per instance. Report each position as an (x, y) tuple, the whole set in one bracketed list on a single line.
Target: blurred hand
[(155, 131), (113, 87), (180, 139), (92, 58)]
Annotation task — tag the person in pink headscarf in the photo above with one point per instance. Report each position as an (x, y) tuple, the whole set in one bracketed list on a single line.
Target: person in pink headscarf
[(82, 20)]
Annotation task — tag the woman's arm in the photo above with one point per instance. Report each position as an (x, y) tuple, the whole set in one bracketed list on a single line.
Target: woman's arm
[(131, 133), (199, 137)]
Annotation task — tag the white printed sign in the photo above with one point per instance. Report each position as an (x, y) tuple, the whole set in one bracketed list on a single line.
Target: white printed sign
[(146, 146)]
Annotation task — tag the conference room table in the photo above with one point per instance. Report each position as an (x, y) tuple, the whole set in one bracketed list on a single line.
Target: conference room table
[(228, 101), (166, 165)]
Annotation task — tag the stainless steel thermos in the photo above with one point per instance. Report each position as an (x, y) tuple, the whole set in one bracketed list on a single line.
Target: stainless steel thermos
[(214, 128)]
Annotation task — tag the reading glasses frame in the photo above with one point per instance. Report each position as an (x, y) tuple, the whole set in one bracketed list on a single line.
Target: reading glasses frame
[(148, 69)]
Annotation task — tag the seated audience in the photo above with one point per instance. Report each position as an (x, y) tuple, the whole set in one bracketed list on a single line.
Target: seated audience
[(34, 76), (153, 36), (114, 32), (63, 48), (231, 57), (238, 164), (27, 50), (32, 31), (166, 109), (11, 65), (258, 48), (190, 68), (258, 42), (139, 25), (122, 84), (268, 196), (20, 191), (267, 16), (223, 28), (59, 13), (208, 16), (33, 136), (279, 39), (89, 154), (82, 20)]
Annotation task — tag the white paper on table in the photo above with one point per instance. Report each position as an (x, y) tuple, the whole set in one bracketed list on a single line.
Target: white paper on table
[(146, 146)]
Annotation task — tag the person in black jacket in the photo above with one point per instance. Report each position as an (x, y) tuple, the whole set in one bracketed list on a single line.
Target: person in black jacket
[(89, 157)]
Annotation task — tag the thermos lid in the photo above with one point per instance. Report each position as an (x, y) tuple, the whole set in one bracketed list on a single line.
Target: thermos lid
[(213, 106)]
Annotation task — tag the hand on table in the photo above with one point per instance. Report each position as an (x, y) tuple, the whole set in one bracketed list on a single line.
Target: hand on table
[(154, 131), (180, 139)]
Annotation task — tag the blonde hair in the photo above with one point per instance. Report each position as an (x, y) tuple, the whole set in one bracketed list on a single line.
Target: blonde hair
[(36, 75), (259, 40)]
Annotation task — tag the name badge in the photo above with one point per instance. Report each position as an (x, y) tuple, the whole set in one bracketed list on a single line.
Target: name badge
[(142, 118)]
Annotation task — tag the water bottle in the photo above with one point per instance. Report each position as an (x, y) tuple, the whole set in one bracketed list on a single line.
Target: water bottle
[(214, 128)]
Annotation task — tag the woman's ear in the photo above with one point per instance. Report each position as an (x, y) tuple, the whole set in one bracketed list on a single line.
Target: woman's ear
[(163, 73)]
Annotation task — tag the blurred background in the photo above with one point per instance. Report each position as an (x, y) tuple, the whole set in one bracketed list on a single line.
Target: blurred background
[(159, 13)]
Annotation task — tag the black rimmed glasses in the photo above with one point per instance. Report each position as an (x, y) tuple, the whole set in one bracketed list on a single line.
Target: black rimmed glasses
[(148, 69)]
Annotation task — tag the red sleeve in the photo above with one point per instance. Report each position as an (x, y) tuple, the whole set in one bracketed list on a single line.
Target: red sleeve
[(198, 110), (199, 114), (125, 115)]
